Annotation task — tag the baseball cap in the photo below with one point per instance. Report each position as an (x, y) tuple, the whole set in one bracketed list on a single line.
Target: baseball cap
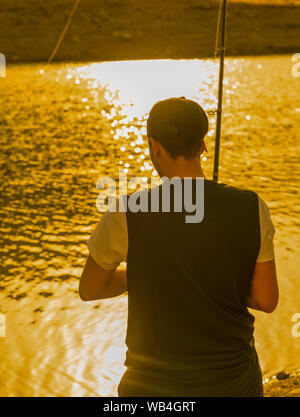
[(177, 117)]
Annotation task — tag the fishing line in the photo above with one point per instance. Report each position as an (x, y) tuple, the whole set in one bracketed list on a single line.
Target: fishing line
[(61, 38), (218, 29), (212, 112)]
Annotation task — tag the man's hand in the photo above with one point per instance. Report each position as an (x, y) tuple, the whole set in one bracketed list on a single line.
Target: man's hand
[(97, 283)]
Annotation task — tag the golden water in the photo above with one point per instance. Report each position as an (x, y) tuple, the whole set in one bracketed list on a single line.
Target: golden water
[(64, 128)]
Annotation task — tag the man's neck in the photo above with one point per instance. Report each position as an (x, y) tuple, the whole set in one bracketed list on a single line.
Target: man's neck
[(184, 168)]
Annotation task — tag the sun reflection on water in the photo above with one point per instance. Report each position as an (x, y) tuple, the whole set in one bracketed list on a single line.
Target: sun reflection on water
[(132, 87), (139, 84)]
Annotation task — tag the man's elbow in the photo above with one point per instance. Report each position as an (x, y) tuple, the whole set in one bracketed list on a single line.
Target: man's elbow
[(269, 309), (270, 306), (84, 296), (266, 306)]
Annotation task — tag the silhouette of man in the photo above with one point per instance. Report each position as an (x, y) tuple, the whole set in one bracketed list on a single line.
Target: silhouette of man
[(189, 285)]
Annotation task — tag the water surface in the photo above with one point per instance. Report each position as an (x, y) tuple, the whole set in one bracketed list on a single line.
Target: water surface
[(64, 128)]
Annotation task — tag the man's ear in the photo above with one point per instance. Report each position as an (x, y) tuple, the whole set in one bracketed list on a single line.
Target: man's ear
[(150, 140), (154, 146)]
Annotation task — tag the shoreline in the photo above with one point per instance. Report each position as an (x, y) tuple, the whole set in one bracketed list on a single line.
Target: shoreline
[(134, 30), (283, 384), (83, 62)]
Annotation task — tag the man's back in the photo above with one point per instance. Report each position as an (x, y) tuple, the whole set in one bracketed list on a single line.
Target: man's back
[(188, 283)]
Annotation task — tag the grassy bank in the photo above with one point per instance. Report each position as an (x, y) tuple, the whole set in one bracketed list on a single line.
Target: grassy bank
[(136, 29)]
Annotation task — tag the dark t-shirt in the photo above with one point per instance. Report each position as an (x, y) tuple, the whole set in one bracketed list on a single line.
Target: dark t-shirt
[(189, 329)]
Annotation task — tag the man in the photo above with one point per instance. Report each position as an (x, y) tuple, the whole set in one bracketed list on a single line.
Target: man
[(189, 284)]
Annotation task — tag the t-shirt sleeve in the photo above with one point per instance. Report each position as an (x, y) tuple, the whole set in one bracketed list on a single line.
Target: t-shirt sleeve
[(108, 244), (267, 231)]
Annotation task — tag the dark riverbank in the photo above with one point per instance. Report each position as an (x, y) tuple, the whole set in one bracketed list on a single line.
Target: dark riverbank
[(288, 386), (135, 29)]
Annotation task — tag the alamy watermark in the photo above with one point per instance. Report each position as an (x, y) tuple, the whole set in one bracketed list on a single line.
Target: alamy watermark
[(296, 326), (296, 66), (2, 325), (2, 65), (185, 197)]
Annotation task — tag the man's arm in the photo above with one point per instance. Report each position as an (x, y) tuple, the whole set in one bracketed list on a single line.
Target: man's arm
[(108, 245), (264, 293), (97, 283)]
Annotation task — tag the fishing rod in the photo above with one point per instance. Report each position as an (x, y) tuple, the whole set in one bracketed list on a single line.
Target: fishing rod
[(220, 48)]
